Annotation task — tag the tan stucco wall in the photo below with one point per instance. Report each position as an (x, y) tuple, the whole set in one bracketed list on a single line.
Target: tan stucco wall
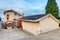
[(11, 16), (17, 16), (45, 25), (48, 24), (30, 27)]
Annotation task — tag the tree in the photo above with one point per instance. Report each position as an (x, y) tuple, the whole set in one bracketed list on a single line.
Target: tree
[(52, 8)]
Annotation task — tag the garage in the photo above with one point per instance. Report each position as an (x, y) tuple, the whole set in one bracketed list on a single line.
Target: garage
[(41, 23), (48, 24)]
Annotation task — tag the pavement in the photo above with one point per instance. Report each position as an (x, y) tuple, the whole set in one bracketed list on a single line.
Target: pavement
[(17, 34), (53, 35), (12, 34)]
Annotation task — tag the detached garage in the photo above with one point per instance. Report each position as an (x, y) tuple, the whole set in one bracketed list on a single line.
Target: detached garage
[(36, 24)]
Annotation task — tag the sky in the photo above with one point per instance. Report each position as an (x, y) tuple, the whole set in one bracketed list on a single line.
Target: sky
[(26, 7)]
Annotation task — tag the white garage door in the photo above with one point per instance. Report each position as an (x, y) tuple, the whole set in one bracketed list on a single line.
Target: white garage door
[(48, 24)]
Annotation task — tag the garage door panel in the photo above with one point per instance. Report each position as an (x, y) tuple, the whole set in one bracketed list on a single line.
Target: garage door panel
[(48, 24)]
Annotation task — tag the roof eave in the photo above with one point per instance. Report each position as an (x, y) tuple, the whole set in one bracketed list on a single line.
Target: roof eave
[(43, 18), (46, 16), (29, 20)]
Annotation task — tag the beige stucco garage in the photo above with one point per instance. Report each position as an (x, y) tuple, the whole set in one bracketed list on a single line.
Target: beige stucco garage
[(36, 24)]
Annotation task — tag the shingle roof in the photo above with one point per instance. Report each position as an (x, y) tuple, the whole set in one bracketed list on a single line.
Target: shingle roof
[(36, 18), (33, 17)]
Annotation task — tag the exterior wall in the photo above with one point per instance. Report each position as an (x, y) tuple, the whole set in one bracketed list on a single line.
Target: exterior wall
[(30, 27), (44, 25), (48, 24), (11, 16), (17, 16)]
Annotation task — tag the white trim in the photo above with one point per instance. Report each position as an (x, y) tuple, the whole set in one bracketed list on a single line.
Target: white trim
[(29, 20), (54, 18), (43, 18), (47, 16)]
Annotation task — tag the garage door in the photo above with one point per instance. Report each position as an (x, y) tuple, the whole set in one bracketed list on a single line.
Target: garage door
[(47, 25), (46, 29)]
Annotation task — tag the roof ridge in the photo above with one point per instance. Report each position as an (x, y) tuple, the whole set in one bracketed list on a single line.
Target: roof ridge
[(13, 11)]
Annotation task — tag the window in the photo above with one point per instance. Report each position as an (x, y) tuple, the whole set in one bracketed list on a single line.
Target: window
[(15, 14), (7, 17), (19, 15), (14, 19)]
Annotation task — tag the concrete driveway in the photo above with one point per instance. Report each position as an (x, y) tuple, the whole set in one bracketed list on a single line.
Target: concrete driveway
[(17, 34), (53, 35), (12, 34)]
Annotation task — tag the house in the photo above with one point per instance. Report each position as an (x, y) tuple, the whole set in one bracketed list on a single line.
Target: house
[(36, 24), (10, 16)]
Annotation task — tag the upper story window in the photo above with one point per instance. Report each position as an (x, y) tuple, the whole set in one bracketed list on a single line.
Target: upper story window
[(14, 19), (19, 15), (15, 14), (7, 17)]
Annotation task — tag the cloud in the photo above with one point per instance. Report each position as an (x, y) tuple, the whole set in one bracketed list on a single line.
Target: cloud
[(33, 12), (27, 7)]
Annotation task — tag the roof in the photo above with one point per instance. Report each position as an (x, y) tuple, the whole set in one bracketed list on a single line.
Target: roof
[(11, 11), (36, 18), (33, 17)]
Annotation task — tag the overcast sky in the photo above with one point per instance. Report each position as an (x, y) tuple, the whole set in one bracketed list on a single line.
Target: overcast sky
[(28, 7)]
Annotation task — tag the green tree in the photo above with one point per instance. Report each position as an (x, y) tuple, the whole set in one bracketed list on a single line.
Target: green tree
[(52, 8)]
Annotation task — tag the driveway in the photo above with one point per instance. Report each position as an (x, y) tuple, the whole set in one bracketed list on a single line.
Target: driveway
[(53, 35), (12, 34), (17, 34)]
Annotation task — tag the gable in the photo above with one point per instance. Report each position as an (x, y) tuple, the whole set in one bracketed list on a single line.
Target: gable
[(48, 20), (49, 15)]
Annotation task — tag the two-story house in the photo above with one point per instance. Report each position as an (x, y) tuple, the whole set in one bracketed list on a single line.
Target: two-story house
[(10, 16)]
